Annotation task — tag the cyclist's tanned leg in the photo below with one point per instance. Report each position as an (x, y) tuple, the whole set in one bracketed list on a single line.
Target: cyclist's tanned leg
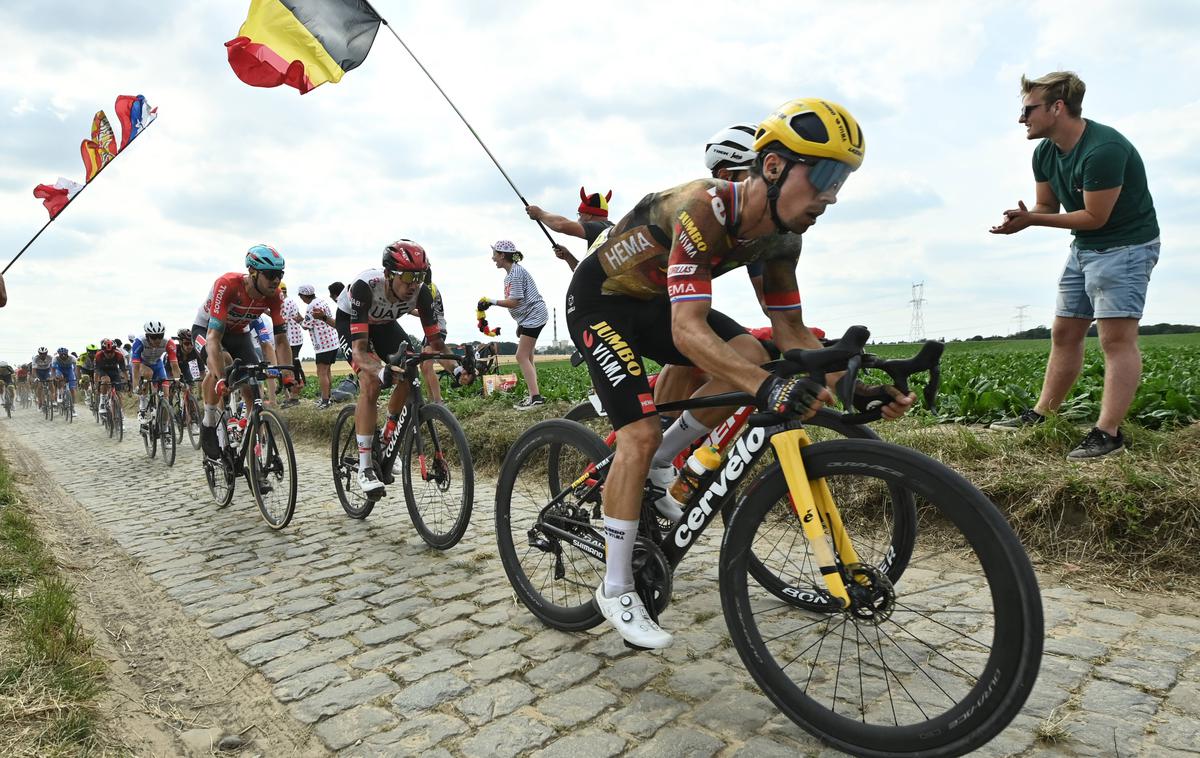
[(1122, 370), (1066, 361), (636, 443)]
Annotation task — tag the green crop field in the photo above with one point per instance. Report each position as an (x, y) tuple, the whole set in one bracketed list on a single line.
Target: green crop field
[(987, 381)]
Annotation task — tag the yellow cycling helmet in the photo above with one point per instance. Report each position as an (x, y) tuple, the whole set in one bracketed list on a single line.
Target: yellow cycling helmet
[(812, 127)]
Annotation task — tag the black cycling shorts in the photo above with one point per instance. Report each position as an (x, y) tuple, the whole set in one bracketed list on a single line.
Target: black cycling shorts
[(238, 345), (614, 332), (382, 339)]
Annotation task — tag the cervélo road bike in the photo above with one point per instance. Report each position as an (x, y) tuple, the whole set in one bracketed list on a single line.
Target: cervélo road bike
[(883, 625)]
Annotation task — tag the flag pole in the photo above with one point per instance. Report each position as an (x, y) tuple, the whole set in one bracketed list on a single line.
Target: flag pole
[(72, 199), (461, 116)]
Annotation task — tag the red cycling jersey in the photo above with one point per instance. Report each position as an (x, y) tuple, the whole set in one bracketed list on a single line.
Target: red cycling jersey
[(230, 307)]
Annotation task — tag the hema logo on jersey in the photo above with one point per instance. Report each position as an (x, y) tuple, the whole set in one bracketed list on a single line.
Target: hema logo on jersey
[(698, 516)]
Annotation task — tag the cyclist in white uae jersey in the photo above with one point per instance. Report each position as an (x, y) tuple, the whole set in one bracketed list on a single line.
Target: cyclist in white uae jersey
[(367, 324)]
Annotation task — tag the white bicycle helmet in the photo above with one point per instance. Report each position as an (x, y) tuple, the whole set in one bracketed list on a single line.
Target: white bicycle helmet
[(732, 146), (155, 328)]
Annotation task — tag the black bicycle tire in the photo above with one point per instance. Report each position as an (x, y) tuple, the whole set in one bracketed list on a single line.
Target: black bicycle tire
[(213, 469), (166, 431), (448, 539), (551, 432), (193, 426), (345, 420), (1012, 666), (149, 433), (118, 419), (277, 431)]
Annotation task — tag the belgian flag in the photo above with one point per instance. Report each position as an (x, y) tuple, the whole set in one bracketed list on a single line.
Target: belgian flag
[(302, 43)]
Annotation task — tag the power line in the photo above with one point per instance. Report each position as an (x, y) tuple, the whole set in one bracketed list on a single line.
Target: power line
[(1020, 317)]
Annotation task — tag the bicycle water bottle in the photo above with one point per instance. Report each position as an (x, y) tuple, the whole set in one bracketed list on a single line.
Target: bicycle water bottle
[(699, 463)]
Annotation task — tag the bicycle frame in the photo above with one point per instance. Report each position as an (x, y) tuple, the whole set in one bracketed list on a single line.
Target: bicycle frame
[(812, 501)]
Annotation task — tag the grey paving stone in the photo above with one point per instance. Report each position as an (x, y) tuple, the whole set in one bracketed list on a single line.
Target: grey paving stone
[(495, 665), (451, 591), (632, 672), (507, 737), (309, 658), (310, 682), (418, 666), (575, 706), (409, 609), (378, 657), (341, 697), (353, 725), (490, 641), (495, 700), (238, 610), (386, 633), (589, 743), (562, 671), (1154, 675), (429, 692), (339, 610), (1075, 647), (257, 655), (446, 612), (547, 644), (239, 625), (342, 626), (413, 736), (264, 633), (763, 747), (446, 634), (1180, 734), (680, 743), (299, 606), (734, 710), (646, 714), (497, 614), (701, 679)]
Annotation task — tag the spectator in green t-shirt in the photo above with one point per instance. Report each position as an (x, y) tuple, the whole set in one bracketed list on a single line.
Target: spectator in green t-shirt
[(1095, 175)]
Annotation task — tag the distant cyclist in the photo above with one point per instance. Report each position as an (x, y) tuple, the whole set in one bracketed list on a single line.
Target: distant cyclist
[(150, 357), (43, 367), (64, 371)]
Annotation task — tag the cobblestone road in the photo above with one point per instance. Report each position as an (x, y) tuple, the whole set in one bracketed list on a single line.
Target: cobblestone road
[(386, 647)]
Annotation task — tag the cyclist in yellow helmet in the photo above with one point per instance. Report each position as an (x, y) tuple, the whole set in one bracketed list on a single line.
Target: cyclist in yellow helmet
[(646, 290)]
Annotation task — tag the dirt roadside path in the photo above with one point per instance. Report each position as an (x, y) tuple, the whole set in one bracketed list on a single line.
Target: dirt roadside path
[(173, 689)]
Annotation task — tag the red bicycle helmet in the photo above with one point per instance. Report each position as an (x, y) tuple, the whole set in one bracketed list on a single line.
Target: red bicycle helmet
[(404, 255)]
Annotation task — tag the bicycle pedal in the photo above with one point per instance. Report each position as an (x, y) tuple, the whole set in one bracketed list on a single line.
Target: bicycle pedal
[(632, 646), (376, 495)]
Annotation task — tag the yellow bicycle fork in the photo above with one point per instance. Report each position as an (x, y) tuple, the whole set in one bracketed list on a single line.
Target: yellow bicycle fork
[(817, 512)]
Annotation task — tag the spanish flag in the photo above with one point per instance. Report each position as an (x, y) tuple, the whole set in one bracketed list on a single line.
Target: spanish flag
[(302, 43)]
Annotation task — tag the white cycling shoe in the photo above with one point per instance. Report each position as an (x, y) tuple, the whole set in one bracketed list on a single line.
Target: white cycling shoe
[(628, 615), (662, 477), (368, 481)]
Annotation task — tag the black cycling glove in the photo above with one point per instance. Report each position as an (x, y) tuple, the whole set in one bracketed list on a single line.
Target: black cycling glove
[(791, 396), (870, 397)]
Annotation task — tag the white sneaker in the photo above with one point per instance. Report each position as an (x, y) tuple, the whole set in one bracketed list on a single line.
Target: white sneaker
[(662, 477), (629, 617), (368, 481)]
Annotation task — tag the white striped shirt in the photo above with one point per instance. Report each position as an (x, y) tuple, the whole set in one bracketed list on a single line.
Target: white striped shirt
[(518, 285)]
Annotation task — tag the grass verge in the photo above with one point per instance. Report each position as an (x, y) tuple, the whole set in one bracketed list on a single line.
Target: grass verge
[(1138, 513), (49, 678)]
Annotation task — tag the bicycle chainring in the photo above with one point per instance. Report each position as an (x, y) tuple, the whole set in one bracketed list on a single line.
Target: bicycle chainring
[(652, 576)]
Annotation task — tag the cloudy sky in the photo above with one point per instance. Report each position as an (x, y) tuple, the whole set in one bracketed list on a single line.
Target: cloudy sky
[(622, 98)]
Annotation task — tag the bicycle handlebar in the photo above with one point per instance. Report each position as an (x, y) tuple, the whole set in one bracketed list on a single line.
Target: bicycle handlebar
[(847, 355), (405, 360)]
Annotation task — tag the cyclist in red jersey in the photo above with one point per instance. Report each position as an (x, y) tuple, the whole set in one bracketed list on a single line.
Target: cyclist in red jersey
[(223, 322), (646, 289)]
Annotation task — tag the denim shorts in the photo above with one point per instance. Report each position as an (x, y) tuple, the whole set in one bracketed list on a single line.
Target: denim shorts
[(1107, 283)]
